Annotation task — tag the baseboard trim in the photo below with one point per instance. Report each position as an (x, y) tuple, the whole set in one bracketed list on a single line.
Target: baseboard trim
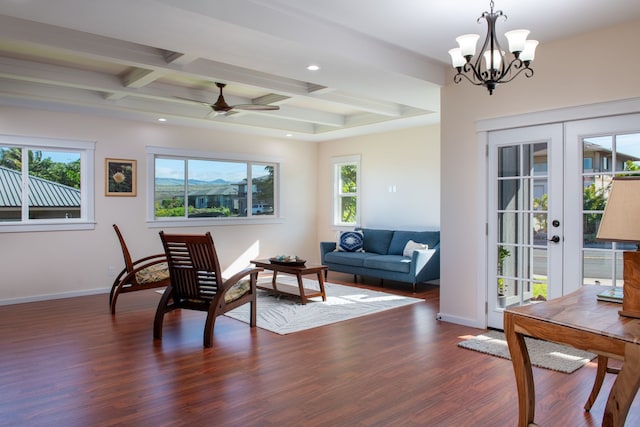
[(473, 323), (46, 297)]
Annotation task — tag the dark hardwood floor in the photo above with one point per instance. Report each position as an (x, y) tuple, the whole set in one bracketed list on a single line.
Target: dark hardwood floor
[(69, 362)]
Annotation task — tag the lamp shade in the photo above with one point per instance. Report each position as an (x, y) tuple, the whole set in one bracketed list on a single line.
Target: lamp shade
[(621, 219), (467, 44), (456, 57), (516, 39), (529, 51)]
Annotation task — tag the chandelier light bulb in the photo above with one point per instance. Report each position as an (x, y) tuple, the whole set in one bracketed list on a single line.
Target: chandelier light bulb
[(497, 59)]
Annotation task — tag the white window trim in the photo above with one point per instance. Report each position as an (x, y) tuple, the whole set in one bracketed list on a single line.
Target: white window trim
[(152, 222), (87, 185), (335, 214)]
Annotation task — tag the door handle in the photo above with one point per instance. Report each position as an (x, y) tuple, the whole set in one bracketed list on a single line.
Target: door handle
[(554, 239)]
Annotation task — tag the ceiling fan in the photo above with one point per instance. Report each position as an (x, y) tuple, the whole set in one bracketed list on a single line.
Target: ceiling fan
[(221, 106)]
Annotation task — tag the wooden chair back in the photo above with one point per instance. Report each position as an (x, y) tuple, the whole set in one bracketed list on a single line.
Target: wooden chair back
[(138, 274), (193, 262), (197, 282)]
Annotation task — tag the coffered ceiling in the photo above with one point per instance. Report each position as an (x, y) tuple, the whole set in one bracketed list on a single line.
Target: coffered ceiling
[(382, 62)]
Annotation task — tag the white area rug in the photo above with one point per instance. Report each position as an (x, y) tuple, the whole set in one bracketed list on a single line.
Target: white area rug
[(285, 315), (543, 354)]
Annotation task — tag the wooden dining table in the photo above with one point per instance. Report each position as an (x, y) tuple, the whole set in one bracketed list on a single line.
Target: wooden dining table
[(579, 320)]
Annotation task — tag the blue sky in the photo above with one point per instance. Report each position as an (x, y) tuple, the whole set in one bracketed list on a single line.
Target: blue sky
[(206, 170)]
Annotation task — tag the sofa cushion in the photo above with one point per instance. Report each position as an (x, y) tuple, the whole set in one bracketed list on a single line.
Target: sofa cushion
[(350, 241), (377, 241), (397, 263), (400, 239), (355, 259)]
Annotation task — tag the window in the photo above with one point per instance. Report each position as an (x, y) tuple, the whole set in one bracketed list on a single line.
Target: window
[(346, 200), (45, 184), (197, 187)]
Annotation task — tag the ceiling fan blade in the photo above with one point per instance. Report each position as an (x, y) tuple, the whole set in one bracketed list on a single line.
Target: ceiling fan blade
[(194, 101), (256, 107)]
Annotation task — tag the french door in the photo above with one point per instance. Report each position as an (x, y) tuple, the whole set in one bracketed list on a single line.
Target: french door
[(596, 151), (547, 190), (525, 225)]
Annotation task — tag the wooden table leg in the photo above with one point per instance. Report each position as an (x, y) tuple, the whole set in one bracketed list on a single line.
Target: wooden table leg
[(303, 297), (321, 283), (624, 388), (603, 361), (273, 280), (523, 372)]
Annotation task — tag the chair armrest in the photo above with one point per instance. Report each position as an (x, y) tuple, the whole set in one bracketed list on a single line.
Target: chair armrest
[(240, 275), (326, 247), (157, 258)]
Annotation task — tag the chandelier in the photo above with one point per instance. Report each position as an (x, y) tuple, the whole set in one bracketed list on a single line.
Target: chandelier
[(492, 67)]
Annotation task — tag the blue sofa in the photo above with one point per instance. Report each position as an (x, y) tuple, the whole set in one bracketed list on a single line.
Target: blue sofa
[(382, 256)]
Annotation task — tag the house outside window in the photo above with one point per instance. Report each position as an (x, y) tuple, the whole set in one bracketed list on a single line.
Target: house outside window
[(346, 185), (45, 184), (196, 187)]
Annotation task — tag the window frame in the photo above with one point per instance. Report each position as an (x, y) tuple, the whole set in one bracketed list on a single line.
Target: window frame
[(165, 152), (336, 164), (86, 149)]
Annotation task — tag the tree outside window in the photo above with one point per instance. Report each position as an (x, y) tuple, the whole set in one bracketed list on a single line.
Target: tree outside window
[(346, 178)]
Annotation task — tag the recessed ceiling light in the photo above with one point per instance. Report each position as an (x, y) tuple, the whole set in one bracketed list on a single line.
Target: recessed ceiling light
[(162, 119), (289, 135), (313, 67)]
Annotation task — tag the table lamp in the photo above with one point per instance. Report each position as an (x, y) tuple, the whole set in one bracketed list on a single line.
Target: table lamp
[(621, 223)]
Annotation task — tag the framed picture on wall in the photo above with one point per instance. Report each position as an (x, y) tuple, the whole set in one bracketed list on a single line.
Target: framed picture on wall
[(120, 177)]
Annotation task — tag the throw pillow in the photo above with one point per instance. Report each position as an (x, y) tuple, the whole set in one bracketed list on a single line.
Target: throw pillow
[(411, 246), (350, 241)]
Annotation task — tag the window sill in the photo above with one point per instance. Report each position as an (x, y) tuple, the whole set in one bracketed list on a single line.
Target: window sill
[(46, 226), (207, 222)]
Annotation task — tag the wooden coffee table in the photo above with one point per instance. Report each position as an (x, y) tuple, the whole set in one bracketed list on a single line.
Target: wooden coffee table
[(295, 270)]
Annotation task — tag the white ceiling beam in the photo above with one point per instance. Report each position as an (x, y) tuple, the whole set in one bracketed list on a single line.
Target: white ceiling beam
[(155, 60)]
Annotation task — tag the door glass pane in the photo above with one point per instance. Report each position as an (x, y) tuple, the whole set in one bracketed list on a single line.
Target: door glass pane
[(602, 261), (509, 161), (522, 222), (507, 227), (507, 194), (628, 152), (597, 154), (540, 230)]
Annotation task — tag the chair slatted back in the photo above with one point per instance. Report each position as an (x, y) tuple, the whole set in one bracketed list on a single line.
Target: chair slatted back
[(128, 261), (193, 265)]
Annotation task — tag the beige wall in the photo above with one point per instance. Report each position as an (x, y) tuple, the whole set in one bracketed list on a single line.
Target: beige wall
[(595, 67), (74, 262), (408, 159)]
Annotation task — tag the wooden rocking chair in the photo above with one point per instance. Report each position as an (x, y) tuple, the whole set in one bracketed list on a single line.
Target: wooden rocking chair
[(144, 273), (197, 283)]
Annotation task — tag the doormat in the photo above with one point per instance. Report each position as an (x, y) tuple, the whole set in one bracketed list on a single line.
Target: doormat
[(543, 354)]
